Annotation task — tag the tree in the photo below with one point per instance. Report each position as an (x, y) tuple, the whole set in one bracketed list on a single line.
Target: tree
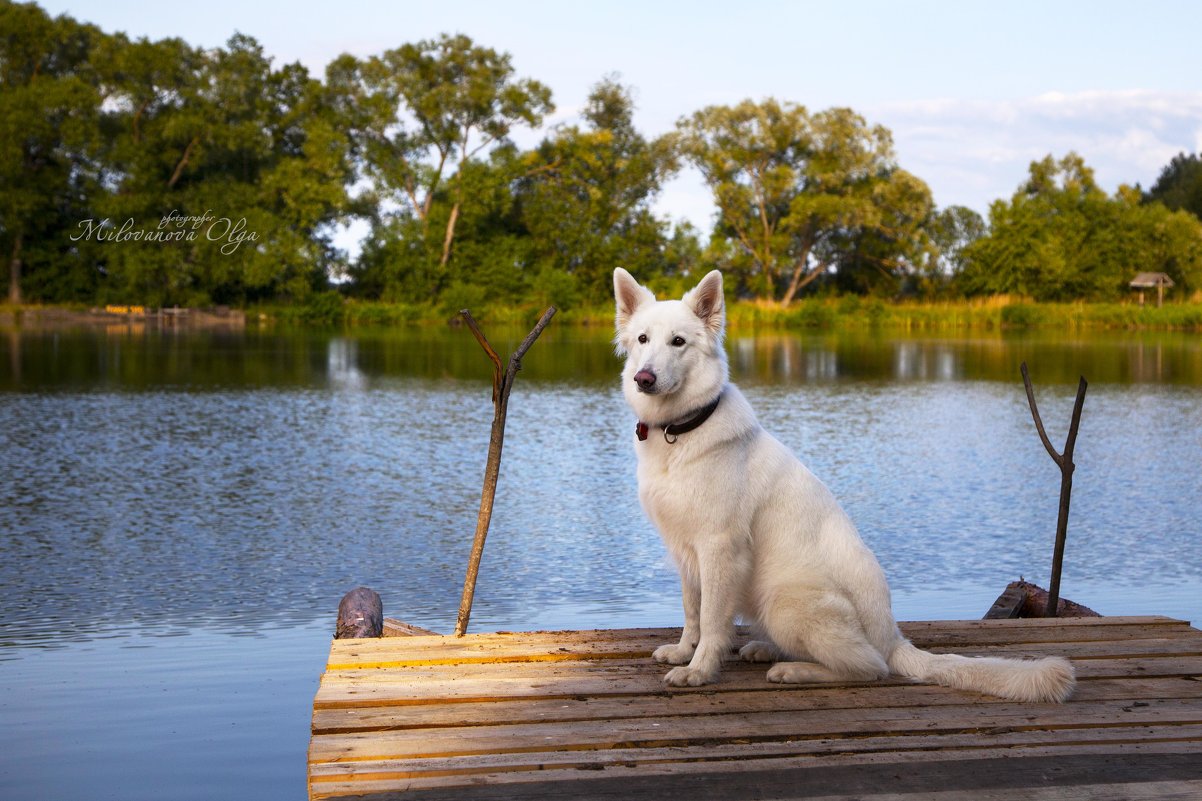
[(1179, 185), (245, 159), (952, 231), (586, 195), (798, 193), (1060, 237), (420, 115), (49, 101)]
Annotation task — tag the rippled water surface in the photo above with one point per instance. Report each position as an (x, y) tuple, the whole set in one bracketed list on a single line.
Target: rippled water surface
[(180, 513)]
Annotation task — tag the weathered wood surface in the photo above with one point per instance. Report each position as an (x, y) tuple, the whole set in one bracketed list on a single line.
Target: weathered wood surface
[(399, 628), (584, 714)]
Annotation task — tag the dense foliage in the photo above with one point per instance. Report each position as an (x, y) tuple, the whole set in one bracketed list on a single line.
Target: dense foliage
[(1060, 237), (158, 173)]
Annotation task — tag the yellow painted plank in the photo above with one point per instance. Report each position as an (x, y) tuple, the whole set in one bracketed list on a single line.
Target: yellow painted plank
[(619, 644), (639, 677)]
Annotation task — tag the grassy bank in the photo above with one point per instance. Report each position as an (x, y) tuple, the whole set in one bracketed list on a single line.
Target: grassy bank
[(989, 313), (848, 313)]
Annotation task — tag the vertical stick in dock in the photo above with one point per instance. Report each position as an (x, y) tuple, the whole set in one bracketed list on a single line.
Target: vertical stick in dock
[(1065, 462), (502, 383)]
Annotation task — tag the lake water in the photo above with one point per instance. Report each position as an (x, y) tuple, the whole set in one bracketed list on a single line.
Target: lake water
[(181, 512)]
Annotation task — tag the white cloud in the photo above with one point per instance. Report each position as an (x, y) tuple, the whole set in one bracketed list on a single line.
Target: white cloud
[(973, 152)]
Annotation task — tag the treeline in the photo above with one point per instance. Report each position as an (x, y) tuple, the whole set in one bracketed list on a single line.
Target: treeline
[(158, 173)]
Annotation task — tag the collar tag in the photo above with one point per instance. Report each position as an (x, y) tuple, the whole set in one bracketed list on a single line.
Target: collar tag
[(672, 431)]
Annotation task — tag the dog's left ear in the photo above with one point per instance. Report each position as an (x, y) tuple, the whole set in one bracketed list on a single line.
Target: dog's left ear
[(707, 302)]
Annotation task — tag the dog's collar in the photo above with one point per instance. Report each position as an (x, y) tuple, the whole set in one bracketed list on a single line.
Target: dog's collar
[(672, 431)]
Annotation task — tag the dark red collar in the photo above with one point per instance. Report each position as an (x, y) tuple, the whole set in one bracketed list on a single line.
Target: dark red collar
[(672, 431)]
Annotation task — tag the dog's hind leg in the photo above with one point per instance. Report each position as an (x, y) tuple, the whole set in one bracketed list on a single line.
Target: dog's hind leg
[(824, 630), (760, 651)]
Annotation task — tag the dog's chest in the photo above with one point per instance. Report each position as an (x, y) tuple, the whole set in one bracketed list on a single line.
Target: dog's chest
[(682, 488)]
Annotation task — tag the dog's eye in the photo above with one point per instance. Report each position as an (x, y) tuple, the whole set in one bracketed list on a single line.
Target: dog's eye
[(642, 339), (677, 342)]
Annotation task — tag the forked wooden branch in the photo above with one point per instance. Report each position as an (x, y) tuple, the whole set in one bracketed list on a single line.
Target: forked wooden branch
[(502, 383), (1065, 462)]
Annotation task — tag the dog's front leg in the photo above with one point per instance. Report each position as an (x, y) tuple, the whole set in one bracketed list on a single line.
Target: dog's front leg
[(681, 652), (722, 570)]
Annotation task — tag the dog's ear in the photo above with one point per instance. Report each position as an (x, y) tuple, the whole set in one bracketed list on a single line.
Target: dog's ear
[(707, 302), (628, 296)]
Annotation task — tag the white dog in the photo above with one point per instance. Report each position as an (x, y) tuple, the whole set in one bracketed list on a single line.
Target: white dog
[(755, 534)]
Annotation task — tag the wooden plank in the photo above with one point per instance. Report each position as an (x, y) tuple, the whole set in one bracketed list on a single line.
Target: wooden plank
[(389, 652), (352, 657), (750, 727), (342, 721), (717, 756), (571, 679), (1077, 649), (1034, 770)]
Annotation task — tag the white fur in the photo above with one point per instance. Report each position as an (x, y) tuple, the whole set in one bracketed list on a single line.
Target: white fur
[(755, 534)]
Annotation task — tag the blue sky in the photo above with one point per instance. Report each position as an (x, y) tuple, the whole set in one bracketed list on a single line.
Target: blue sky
[(972, 91)]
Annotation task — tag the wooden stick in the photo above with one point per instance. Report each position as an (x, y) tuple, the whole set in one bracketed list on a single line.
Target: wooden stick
[(1065, 462), (501, 385)]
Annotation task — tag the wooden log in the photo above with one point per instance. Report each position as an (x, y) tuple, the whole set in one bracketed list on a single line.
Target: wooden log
[(399, 628), (1009, 604), (1026, 600), (360, 614)]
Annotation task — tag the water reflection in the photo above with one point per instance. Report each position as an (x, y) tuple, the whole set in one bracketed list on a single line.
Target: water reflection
[(204, 360), (1105, 358)]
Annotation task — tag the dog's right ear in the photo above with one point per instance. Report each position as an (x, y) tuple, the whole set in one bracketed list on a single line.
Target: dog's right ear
[(629, 295)]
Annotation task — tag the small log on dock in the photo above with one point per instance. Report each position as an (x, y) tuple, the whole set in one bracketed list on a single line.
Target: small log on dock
[(399, 628), (1027, 600), (360, 614)]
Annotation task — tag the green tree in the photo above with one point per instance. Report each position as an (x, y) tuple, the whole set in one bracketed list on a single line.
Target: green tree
[(1060, 237), (799, 194), (952, 231), (1179, 185), (49, 102), (249, 156), (420, 115), (586, 196)]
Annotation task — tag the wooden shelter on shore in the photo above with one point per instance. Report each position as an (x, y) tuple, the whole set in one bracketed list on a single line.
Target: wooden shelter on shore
[(1158, 281)]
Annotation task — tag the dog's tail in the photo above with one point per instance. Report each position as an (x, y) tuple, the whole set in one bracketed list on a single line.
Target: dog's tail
[(1048, 679)]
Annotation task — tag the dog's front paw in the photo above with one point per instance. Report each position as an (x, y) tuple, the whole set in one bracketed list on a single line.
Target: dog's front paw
[(677, 654), (686, 676), (759, 651)]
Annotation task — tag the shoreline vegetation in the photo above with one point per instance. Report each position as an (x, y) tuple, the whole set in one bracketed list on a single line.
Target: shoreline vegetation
[(1000, 312)]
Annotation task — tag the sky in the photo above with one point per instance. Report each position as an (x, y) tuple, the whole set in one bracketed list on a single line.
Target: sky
[(973, 92)]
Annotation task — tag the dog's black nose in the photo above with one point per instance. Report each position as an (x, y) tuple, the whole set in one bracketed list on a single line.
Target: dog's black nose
[(645, 379)]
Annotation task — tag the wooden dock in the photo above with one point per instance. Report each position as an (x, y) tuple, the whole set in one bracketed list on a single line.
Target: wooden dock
[(585, 715)]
